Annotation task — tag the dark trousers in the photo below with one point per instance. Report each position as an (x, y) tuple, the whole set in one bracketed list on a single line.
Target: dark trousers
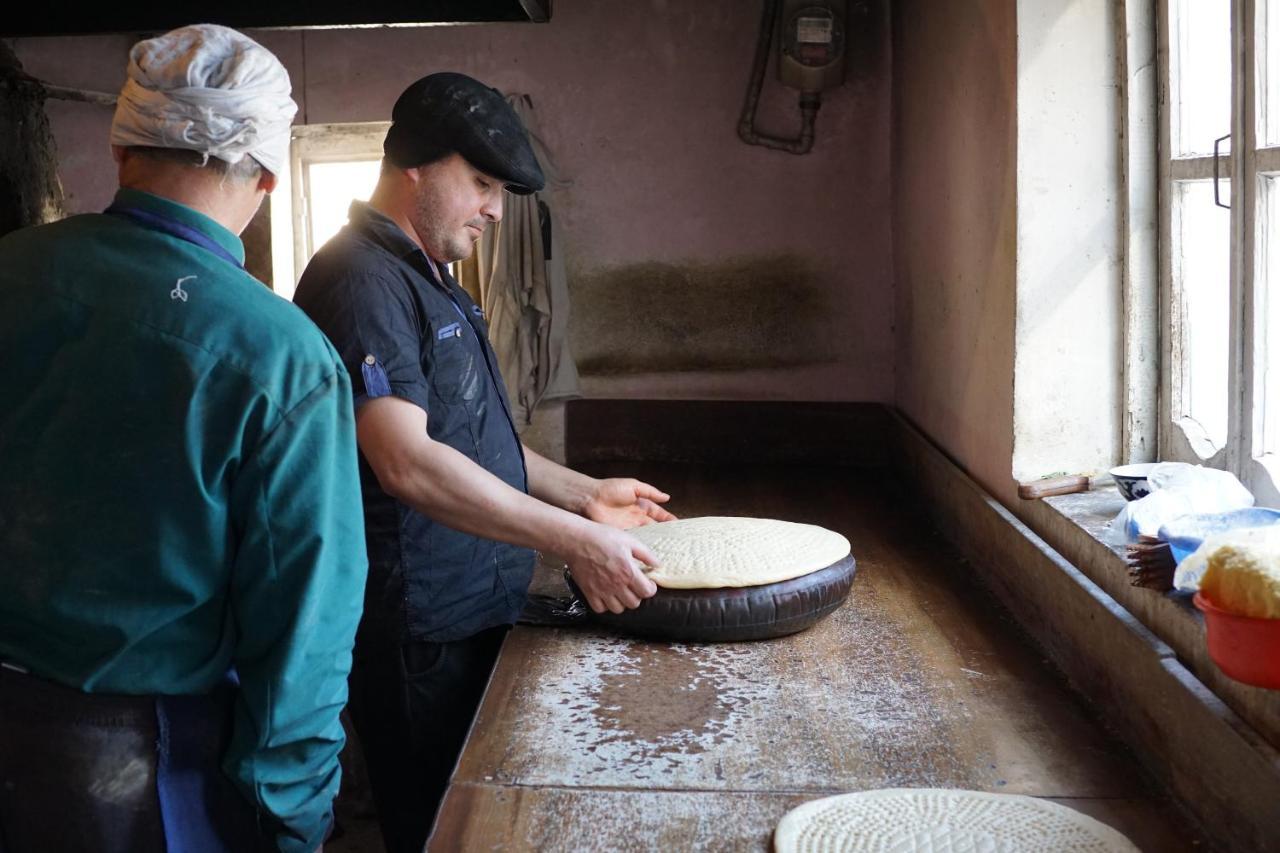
[(412, 705), (80, 772)]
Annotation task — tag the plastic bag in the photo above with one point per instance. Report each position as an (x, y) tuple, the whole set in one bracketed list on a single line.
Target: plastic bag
[(1189, 572), (1177, 489)]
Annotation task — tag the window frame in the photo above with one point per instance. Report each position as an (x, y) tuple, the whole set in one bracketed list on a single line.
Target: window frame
[(1181, 439), (324, 143)]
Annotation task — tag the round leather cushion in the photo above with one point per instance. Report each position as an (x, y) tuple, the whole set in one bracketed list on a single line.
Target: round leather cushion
[(730, 614)]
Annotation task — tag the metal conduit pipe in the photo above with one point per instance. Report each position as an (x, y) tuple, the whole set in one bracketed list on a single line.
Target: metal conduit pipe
[(65, 93), (809, 101)]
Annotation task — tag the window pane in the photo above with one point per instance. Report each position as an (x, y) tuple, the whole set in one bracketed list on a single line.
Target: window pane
[(333, 186), (1268, 326), (1200, 74), (1268, 64), (1202, 311)]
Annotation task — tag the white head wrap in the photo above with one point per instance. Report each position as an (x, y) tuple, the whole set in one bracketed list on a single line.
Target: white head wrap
[(209, 89)]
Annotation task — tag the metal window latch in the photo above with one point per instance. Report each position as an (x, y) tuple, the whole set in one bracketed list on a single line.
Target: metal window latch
[(1217, 199)]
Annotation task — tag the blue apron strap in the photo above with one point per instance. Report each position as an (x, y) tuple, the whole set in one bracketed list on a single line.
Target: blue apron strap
[(167, 225), (200, 808)]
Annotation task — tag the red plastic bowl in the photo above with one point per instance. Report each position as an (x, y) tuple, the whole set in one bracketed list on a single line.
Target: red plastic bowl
[(1245, 648)]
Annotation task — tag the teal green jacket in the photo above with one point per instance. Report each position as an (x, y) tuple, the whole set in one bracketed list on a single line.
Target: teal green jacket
[(179, 493)]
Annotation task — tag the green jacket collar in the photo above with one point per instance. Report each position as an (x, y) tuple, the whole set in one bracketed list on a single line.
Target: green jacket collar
[(186, 215)]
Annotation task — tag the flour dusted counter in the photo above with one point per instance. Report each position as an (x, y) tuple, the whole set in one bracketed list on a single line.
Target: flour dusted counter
[(587, 740)]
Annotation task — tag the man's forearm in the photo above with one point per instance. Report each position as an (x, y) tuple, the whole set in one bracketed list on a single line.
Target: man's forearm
[(443, 484), (556, 484)]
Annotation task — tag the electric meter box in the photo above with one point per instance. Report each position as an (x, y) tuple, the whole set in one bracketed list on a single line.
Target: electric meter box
[(812, 44)]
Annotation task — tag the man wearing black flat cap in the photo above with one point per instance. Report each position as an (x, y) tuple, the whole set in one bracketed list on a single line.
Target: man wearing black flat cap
[(454, 504)]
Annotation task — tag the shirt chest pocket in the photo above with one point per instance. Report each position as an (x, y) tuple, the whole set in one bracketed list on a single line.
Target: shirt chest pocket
[(454, 371)]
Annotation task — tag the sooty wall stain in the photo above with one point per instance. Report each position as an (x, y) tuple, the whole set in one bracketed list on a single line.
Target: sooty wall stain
[(747, 313), (30, 193)]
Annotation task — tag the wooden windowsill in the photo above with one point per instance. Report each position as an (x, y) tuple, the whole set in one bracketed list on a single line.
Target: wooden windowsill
[(1074, 526)]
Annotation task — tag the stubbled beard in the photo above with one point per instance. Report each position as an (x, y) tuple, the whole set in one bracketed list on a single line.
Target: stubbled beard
[(443, 244)]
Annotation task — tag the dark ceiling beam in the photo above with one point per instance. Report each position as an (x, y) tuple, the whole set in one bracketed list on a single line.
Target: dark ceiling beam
[(539, 11), (149, 16)]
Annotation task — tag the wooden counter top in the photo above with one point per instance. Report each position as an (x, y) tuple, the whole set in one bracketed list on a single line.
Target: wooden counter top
[(587, 740)]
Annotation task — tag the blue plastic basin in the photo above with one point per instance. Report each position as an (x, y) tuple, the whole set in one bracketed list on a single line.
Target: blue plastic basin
[(1186, 533)]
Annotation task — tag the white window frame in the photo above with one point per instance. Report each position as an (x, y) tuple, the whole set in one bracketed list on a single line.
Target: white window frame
[(290, 220), (325, 143), (1182, 439)]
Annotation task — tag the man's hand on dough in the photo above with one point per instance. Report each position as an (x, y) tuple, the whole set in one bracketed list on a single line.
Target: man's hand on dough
[(623, 502), (608, 568)]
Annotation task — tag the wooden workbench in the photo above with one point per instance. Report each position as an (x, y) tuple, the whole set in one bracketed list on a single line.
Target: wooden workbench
[(587, 740)]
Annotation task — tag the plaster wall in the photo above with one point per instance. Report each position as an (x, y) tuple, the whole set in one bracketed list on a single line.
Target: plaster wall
[(699, 266), (1068, 388), (954, 138)]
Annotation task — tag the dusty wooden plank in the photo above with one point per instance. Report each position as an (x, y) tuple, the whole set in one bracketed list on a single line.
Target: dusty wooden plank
[(1153, 824), (918, 680), (496, 817)]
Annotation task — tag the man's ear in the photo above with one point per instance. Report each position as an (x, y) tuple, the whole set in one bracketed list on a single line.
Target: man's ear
[(118, 153), (267, 181)]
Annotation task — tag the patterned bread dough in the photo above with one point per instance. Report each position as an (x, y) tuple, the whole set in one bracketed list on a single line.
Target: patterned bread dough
[(935, 820), (1243, 575), (714, 551)]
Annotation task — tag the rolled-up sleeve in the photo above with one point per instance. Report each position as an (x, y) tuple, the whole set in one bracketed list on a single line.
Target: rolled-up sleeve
[(376, 326), (297, 592)]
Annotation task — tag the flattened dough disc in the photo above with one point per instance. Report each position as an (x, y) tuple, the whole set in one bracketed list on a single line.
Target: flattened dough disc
[(726, 551), (936, 820)]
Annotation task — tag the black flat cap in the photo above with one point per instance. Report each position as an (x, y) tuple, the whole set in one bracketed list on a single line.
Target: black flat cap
[(447, 112)]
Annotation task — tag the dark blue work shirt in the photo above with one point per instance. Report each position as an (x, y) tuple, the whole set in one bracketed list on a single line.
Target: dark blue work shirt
[(401, 332)]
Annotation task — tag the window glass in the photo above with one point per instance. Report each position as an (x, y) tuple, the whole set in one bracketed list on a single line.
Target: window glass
[(1268, 71), (1202, 307), (1268, 337), (332, 188), (1200, 74)]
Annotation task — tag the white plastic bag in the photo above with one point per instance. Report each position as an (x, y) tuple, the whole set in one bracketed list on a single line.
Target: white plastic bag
[(1177, 489)]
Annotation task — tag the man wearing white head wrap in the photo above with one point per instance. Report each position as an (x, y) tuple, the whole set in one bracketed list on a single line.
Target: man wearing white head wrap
[(209, 89), (182, 565)]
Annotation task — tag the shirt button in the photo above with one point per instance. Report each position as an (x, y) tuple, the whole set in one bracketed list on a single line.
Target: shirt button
[(368, 359)]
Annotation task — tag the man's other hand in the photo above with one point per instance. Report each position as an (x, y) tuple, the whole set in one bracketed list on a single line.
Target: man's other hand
[(624, 502)]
